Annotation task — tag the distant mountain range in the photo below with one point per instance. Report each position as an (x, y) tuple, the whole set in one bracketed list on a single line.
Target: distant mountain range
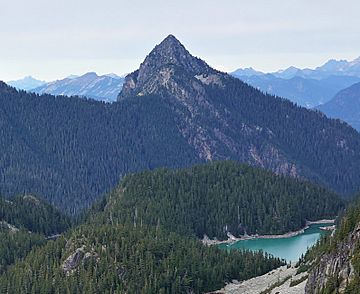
[(330, 68), (90, 85), (333, 67), (306, 87), (26, 83), (302, 91), (102, 88), (345, 106)]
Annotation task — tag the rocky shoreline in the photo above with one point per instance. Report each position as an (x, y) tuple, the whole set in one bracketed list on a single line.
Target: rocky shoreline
[(322, 221), (276, 281), (232, 239)]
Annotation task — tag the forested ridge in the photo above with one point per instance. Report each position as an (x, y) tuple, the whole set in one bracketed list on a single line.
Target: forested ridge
[(217, 198)]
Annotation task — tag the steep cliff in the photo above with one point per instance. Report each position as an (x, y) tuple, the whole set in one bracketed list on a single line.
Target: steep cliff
[(336, 263)]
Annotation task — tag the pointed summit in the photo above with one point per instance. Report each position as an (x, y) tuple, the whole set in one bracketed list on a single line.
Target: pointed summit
[(168, 57), (171, 51), (172, 48), (170, 40)]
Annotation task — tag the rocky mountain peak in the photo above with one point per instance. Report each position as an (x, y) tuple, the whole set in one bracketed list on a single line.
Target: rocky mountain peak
[(167, 57), (171, 51)]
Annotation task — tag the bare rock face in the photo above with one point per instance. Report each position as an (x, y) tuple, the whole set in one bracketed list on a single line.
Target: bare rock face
[(170, 53), (32, 199), (10, 227), (72, 262), (335, 265)]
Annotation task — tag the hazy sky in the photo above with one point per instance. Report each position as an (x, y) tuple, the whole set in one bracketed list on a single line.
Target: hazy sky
[(50, 39)]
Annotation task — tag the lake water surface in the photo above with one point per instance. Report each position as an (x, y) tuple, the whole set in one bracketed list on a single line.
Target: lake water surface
[(288, 248)]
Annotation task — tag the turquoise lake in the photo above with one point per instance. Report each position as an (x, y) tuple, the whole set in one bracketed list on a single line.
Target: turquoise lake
[(287, 248)]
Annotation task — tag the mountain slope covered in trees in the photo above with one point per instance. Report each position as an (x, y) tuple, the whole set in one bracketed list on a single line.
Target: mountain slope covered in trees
[(71, 151), (118, 259), (173, 112), (216, 199)]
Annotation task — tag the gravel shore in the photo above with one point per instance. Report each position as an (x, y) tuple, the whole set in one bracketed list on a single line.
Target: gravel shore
[(281, 275)]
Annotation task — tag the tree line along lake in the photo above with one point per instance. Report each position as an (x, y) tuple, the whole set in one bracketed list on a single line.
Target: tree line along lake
[(288, 248)]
